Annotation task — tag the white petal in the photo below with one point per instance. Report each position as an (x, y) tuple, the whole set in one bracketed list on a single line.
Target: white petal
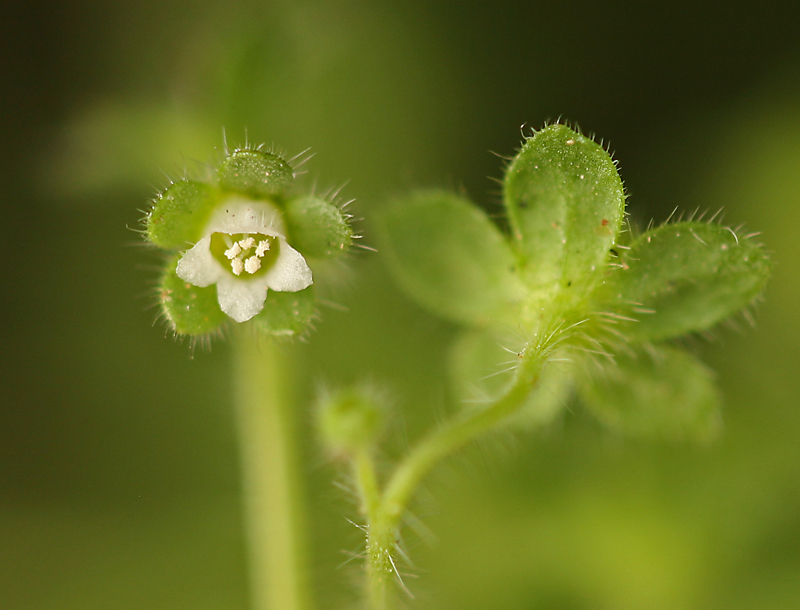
[(241, 299), (241, 215), (198, 266), (290, 272)]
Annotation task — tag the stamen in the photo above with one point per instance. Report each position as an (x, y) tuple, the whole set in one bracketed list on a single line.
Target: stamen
[(247, 243), (252, 264), (262, 247), (233, 251), (237, 266)]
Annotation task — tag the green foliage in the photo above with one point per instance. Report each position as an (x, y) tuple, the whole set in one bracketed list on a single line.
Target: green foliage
[(449, 256), (565, 205), (662, 392), (479, 366), (561, 277), (685, 277)]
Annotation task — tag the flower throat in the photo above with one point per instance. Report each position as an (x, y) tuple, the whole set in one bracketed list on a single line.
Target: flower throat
[(245, 254)]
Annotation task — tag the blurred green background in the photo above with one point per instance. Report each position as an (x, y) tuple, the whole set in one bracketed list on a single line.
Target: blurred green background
[(118, 463)]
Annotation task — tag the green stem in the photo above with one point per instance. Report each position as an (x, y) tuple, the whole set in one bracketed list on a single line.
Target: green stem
[(367, 482), (385, 521), (274, 515)]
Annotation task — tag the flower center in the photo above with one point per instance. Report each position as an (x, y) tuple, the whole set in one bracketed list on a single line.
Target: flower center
[(245, 254)]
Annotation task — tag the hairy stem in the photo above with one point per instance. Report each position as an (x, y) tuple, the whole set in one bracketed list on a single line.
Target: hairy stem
[(385, 521), (273, 502)]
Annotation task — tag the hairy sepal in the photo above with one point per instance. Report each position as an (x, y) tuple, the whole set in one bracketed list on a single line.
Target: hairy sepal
[(286, 314), (255, 172), (317, 227), (190, 310), (180, 214)]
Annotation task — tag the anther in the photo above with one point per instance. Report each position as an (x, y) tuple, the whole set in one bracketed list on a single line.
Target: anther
[(247, 243), (237, 266), (252, 264), (262, 247), (233, 251)]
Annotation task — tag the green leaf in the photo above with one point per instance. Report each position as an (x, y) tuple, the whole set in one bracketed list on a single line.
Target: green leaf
[(190, 310), (286, 314), (481, 371), (317, 227), (255, 172), (565, 203), (664, 392), (688, 276), (180, 214), (448, 255)]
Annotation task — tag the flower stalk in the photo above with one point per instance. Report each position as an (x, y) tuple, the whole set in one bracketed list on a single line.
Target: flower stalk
[(387, 513), (275, 518)]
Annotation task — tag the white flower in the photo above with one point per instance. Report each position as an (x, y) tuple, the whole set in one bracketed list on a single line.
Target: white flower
[(244, 252)]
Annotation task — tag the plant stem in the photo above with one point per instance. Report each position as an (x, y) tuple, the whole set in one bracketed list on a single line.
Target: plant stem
[(385, 521), (273, 503)]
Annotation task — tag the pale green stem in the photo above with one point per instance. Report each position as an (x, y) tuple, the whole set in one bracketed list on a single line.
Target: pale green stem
[(273, 498), (385, 521), (370, 496), (367, 482)]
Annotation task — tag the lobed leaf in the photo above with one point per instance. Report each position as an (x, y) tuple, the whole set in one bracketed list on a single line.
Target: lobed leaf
[(448, 255), (686, 277), (565, 204), (665, 392)]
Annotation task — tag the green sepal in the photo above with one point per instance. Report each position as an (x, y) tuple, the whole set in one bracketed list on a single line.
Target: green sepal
[(180, 214), (255, 172), (448, 255), (664, 392), (481, 368), (565, 204), (286, 314), (317, 227), (685, 277), (191, 310)]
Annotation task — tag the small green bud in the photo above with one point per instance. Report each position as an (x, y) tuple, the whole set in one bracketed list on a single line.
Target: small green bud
[(350, 420), (686, 277), (180, 213), (565, 204), (191, 310), (255, 172), (318, 228)]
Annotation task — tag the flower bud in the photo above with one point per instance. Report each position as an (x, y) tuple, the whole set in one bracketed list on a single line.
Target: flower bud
[(350, 420)]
